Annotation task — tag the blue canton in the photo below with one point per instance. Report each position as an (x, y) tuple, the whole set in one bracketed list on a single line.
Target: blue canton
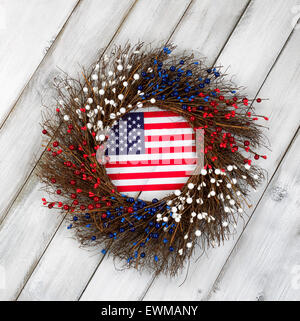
[(127, 136)]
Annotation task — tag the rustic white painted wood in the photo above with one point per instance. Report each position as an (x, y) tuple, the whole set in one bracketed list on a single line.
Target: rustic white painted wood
[(27, 29), (203, 272), (64, 270), (268, 251), (265, 264), (87, 30), (150, 14), (23, 236)]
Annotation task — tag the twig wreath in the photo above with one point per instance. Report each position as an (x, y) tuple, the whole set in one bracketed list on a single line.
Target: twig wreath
[(161, 234)]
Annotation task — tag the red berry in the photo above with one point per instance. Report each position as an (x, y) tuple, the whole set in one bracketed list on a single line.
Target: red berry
[(82, 207), (72, 147), (53, 180), (90, 206), (75, 202), (103, 215), (44, 131), (98, 205), (258, 100), (246, 143), (58, 192), (256, 156), (108, 203), (66, 207), (130, 210), (55, 144), (72, 182), (73, 195), (96, 199)]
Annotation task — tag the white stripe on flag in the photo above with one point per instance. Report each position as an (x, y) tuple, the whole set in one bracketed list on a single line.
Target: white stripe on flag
[(172, 143), (146, 157), (150, 181)]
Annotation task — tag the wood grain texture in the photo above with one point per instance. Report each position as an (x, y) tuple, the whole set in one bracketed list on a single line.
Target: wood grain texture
[(54, 257), (23, 237), (28, 28), (86, 21), (265, 264), (201, 274), (267, 250)]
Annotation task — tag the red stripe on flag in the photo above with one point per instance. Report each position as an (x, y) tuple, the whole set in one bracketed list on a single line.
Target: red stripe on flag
[(149, 175), (176, 149), (152, 162), (155, 187), (167, 125), (148, 114), (164, 138)]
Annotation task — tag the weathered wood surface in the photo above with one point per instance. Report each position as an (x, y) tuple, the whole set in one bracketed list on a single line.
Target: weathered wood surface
[(27, 30), (256, 40)]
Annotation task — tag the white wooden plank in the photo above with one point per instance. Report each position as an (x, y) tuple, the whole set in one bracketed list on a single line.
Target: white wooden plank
[(198, 12), (203, 272), (265, 264), (141, 23), (87, 30), (22, 237), (27, 29)]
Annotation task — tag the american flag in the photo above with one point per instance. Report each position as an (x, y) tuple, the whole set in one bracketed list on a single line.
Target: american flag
[(150, 150)]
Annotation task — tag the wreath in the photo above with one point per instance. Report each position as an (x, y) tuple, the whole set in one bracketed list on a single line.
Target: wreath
[(162, 233)]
